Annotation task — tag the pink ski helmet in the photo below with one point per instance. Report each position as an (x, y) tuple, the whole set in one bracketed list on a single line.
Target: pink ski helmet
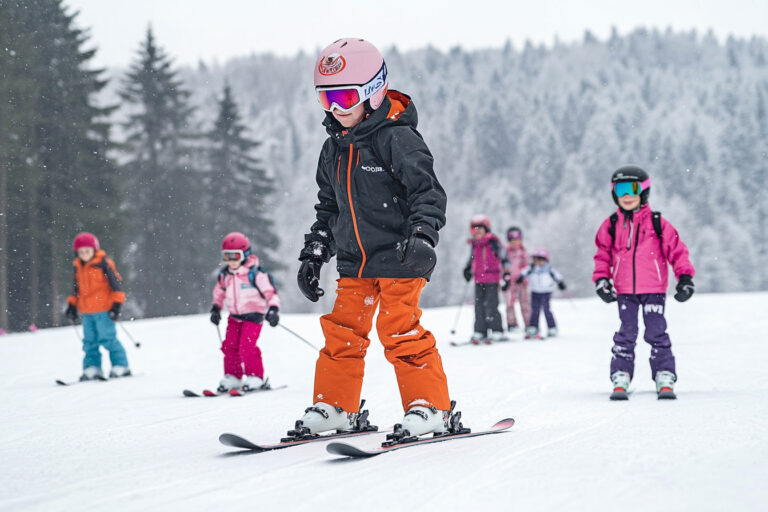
[(351, 62), (85, 239), (236, 242), (541, 253), (480, 220)]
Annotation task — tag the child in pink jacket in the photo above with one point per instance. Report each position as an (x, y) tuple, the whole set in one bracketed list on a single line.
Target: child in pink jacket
[(251, 298), (634, 246)]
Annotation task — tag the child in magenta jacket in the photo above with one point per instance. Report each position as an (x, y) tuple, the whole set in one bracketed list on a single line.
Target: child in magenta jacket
[(634, 246), (251, 298)]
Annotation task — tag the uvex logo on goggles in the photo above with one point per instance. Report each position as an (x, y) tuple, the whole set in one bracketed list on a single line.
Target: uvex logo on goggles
[(630, 188), (347, 97)]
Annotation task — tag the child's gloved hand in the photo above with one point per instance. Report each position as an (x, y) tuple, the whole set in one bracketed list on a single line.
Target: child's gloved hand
[(215, 315), (114, 311), (507, 278), (605, 290), (519, 279), (467, 273), (561, 285), (272, 317), (71, 313), (684, 288), (309, 279), (417, 254)]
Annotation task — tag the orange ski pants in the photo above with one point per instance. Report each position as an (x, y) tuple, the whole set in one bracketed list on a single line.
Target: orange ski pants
[(407, 345)]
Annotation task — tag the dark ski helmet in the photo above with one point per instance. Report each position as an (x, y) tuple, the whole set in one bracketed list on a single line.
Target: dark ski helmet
[(631, 174), (514, 233)]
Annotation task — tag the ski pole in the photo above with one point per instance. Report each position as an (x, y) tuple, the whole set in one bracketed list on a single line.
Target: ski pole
[(77, 333), (219, 333), (300, 337), (461, 305), (135, 343)]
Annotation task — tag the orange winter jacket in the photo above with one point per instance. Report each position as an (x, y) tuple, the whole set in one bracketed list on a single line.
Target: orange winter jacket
[(97, 284)]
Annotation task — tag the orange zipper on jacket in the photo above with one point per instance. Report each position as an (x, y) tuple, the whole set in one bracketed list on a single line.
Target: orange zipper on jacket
[(352, 207)]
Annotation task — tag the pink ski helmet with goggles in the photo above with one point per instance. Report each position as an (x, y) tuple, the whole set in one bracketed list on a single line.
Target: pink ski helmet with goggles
[(85, 239), (480, 220), (235, 247), (541, 253), (349, 72)]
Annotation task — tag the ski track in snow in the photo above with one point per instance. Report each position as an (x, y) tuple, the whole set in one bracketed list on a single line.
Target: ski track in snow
[(137, 444)]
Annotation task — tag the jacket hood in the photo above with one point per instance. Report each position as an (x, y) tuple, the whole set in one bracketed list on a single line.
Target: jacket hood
[(397, 109), (98, 256)]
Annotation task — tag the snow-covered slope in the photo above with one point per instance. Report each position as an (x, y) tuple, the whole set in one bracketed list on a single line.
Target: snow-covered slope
[(137, 444)]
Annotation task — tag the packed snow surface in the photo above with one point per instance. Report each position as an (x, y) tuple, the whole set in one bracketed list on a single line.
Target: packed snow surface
[(137, 444)]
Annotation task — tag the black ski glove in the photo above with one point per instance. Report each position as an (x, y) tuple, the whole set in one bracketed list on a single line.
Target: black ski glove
[(561, 285), (114, 311), (71, 313), (605, 290), (309, 279), (468, 273), (519, 279), (684, 288), (417, 254), (507, 281), (272, 317), (215, 315)]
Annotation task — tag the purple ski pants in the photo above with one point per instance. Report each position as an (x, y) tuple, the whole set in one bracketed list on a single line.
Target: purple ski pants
[(240, 350), (540, 302), (652, 307)]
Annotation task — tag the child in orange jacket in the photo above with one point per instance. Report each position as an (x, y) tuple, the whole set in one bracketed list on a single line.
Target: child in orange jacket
[(98, 295)]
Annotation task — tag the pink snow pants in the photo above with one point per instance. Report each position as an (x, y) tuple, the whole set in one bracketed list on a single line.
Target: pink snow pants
[(240, 350), (521, 293)]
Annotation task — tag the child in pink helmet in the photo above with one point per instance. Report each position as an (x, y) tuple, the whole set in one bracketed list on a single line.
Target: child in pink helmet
[(542, 279), (488, 263), (380, 207), (251, 297), (634, 247), (514, 291)]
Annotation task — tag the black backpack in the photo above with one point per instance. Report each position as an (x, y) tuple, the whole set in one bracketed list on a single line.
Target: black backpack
[(655, 219)]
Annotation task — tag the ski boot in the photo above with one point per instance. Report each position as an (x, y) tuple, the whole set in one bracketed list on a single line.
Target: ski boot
[(665, 385), (497, 336), (420, 420), (91, 373), (477, 338), (532, 333), (512, 328), (620, 385), (252, 383), (323, 417), (552, 332), (119, 371), (228, 382)]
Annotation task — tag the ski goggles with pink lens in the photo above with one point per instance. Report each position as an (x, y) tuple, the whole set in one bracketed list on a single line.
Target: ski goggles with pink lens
[(631, 188), (233, 255), (347, 97)]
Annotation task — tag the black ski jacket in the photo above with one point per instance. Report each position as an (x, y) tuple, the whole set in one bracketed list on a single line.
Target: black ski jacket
[(377, 187)]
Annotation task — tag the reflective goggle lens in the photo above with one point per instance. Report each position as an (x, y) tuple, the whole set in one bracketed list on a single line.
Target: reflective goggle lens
[(345, 99), (232, 255), (627, 188)]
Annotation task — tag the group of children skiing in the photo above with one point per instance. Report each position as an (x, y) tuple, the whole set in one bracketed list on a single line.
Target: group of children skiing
[(529, 283), (379, 211)]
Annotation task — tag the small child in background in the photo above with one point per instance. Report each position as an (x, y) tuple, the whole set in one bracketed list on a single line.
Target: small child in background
[(634, 247), (518, 260), (487, 262), (542, 278), (98, 296), (251, 298)]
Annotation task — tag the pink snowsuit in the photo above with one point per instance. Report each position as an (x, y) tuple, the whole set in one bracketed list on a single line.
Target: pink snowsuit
[(636, 259), (247, 305), (518, 260)]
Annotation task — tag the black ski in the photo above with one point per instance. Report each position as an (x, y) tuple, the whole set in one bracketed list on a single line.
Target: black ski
[(348, 450), (100, 378), (236, 441)]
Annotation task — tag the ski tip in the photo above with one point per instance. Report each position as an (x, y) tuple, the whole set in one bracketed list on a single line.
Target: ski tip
[(189, 393), (347, 450), (61, 383), (505, 423)]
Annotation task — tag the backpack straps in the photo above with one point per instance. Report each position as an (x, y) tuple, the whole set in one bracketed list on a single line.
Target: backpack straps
[(655, 219), (252, 278)]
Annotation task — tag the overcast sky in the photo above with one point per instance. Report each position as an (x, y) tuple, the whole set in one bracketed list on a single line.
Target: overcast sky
[(193, 30)]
